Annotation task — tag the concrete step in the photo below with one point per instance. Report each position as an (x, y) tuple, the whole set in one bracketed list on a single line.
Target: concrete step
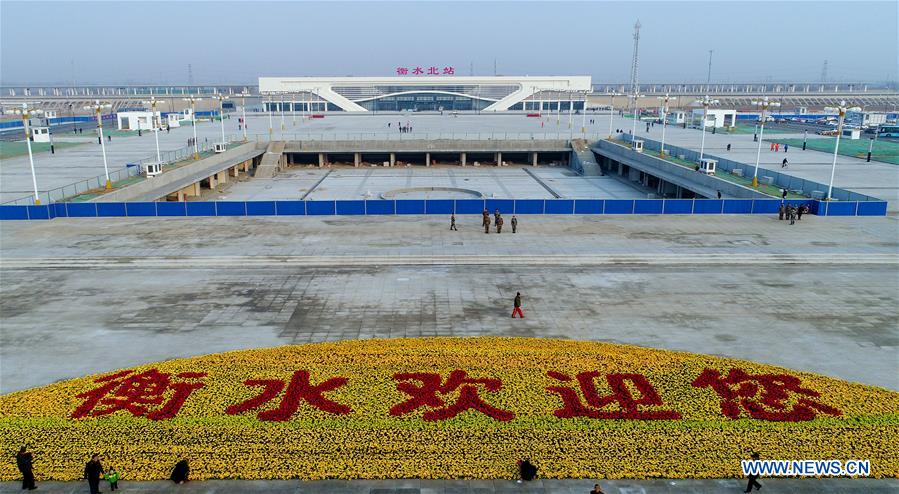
[(271, 160)]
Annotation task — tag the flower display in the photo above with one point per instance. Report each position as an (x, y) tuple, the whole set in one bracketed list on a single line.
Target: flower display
[(448, 408)]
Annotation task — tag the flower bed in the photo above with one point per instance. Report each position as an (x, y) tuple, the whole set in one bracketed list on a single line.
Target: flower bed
[(448, 408)]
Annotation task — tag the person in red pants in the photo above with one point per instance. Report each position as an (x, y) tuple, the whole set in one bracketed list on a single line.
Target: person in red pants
[(517, 303)]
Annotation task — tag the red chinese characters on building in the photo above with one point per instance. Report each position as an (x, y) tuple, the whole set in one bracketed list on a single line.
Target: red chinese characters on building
[(432, 391), (402, 71), (298, 390), (629, 406), (151, 394), (432, 70), (417, 71), (763, 396), (449, 70)]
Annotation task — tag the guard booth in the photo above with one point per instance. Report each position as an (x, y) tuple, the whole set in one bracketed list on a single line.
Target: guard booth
[(151, 169), (707, 166), (637, 145), (220, 147), (173, 120), (40, 134)]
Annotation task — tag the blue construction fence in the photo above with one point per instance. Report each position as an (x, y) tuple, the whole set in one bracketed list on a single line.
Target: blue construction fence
[(435, 207)]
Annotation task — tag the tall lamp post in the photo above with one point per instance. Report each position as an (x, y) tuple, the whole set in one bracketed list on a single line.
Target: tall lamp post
[(281, 109), (98, 109), (243, 111), (293, 109), (193, 120), (155, 125), (611, 109), (26, 124), (836, 148), (584, 115), (270, 110), (221, 97), (764, 104), (664, 109), (706, 103), (635, 97)]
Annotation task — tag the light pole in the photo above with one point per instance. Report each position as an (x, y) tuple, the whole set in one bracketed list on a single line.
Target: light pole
[(221, 97), (26, 124), (764, 104), (98, 108), (871, 144), (664, 121), (193, 120), (706, 103), (836, 149), (243, 112), (611, 110), (281, 109), (636, 97), (270, 110), (155, 125), (584, 115), (293, 109)]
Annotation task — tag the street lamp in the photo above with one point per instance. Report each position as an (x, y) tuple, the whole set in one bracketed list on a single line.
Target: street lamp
[(836, 148), (584, 115), (221, 97), (664, 120), (764, 104), (706, 103), (636, 98), (612, 109), (152, 104), (243, 111), (281, 109), (193, 120), (98, 108), (26, 125), (293, 109), (270, 110)]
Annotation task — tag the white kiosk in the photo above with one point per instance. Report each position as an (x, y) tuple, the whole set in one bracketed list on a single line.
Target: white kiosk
[(40, 134), (637, 145), (151, 169), (173, 120), (220, 147), (707, 166)]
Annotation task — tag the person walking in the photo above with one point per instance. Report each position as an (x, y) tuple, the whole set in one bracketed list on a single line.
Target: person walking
[(24, 461), (514, 224), (781, 211), (802, 210), (92, 472), (753, 479), (453, 222), (783, 193), (728, 147), (719, 194), (776, 147), (597, 489), (486, 221), (517, 306), (792, 211), (499, 224), (786, 147), (783, 164)]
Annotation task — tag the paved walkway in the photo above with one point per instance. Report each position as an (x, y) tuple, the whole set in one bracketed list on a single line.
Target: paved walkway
[(660, 486), (137, 290)]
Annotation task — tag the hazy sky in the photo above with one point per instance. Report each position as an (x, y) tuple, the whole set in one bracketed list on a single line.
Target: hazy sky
[(153, 42)]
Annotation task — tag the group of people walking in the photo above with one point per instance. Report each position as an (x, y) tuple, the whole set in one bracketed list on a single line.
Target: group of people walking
[(94, 472), (403, 129), (791, 212), (498, 222)]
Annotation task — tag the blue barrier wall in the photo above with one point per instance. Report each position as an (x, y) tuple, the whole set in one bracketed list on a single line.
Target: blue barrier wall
[(437, 207)]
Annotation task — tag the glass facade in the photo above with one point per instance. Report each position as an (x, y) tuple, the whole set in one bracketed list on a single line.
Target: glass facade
[(425, 102)]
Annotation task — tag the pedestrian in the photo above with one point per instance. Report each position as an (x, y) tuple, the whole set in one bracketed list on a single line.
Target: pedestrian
[(24, 461), (781, 211), (753, 479), (499, 224), (597, 489), (109, 137), (772, 147), (112, 476), (93, 470), (802, 210), (527, 470), (496, 215), (453, 222), (783, 193), (80, 130), (728, 147), (786, 147), (776, 147), (783, 164), (719, 194), (792, 212), (517, 306), (514, 224), (181, 472)]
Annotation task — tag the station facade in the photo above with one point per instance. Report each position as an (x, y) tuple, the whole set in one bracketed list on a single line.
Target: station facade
[(426, 93)]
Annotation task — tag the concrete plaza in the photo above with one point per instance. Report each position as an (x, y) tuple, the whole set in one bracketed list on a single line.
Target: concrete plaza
[(83, 296)]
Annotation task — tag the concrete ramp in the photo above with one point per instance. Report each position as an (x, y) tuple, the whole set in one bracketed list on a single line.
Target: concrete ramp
[(583, 160), (271, 160)]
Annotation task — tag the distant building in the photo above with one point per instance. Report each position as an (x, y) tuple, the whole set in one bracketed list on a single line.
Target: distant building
[(716, 118), (865, 119), (425, 93), (137, 120)]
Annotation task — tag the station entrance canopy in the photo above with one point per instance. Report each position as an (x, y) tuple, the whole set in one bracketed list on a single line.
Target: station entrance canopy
[(427, 93)]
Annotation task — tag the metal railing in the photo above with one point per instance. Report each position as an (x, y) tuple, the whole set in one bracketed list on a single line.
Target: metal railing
[(421, 136), (133, 169)]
